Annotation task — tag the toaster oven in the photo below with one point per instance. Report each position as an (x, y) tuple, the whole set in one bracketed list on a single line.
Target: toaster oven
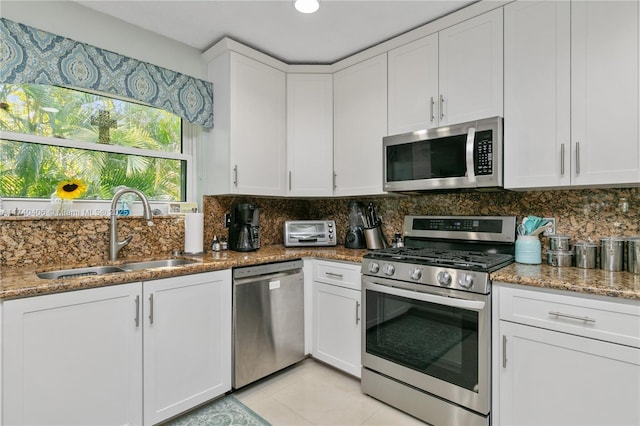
[(307, 233)]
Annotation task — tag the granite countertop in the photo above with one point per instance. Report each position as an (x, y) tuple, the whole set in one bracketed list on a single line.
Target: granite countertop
[(591, 281), (23, 282)]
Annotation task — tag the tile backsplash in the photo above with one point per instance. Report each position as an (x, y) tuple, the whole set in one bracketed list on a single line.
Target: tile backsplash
[(582, 214)]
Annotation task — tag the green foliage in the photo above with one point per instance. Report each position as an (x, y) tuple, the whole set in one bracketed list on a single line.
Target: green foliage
[(34, 170)]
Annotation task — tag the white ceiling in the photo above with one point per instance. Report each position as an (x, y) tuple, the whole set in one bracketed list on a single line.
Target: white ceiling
[(339, 29)]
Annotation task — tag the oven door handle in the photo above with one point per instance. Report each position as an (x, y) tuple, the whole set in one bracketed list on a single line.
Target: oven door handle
[(471, 137), (472, 305)]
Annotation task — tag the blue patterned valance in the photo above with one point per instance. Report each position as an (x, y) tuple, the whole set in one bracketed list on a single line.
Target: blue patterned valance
[(28, 55)]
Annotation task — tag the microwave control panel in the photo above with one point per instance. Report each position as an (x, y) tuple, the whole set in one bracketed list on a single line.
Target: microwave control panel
[(483, 157)]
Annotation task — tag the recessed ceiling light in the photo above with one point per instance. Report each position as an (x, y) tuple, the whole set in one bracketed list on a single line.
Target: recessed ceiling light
[(307, 6)]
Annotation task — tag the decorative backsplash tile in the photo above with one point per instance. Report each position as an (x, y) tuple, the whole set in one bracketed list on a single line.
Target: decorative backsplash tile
[(581, 214)]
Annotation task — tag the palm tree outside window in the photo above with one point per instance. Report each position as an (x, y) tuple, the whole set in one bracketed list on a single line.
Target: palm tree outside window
[(51, 133)]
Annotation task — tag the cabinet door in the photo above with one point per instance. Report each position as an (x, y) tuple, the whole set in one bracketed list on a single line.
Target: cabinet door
[(310, 134), (413, 86), (552, 378), (605, 92), (337, 320), (73, 358), (187, 342), (471, 74), (537, 108), (257, 134), (360, 123)]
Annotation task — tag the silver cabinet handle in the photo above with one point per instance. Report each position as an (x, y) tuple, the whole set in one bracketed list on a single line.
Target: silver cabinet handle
[(151, 308), (235, 175), (504, 351), (577, 158), (441, 107), (357, 312), (334, 181), (137, 318), (575, 317), (334, 274), (289, 180), (562, 159), (433, 103)]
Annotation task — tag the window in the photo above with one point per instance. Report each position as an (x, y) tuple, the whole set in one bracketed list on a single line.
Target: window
[(51, 134)]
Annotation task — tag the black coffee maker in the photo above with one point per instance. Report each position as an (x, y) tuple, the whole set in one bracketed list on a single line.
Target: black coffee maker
[(244, 230), (354, 237)]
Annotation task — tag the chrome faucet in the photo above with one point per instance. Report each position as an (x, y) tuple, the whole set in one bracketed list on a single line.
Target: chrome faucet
[(114, 245)]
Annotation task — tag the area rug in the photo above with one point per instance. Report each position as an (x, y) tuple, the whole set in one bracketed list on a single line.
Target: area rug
[(226, 411)]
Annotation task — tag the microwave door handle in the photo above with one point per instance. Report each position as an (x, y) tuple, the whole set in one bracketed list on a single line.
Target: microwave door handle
[(471, 136)]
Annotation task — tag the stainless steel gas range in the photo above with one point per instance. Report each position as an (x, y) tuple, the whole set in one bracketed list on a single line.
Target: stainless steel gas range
[(426, 338)]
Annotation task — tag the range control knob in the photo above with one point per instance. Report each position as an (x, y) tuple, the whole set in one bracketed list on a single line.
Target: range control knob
[(415, 274), (465, 280), (388, 269), (374, 267), (444, 278)]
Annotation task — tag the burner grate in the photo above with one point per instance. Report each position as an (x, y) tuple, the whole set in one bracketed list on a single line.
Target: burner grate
[(462, 259)]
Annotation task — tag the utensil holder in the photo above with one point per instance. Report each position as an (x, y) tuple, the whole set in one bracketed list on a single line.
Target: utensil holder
[(528, 249), (375, 238)]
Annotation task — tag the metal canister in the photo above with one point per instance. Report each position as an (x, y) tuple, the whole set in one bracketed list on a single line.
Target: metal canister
[(586, 254), (612, 253), (559, 242), (633, 255), (560, 257)]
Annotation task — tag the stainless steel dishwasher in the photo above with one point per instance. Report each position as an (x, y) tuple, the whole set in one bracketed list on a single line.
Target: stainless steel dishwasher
[(268, 319)]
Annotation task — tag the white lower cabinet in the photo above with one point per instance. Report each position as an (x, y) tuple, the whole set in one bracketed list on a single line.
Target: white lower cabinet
[(73, 358), (76, 358), (337, 315), (551, 373), (187, 342)]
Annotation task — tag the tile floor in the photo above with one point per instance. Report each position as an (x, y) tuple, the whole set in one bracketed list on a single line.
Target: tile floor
[(312, 393)]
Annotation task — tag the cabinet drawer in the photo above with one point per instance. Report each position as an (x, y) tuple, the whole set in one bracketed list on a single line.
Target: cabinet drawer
[(336, 273), (610, 321)]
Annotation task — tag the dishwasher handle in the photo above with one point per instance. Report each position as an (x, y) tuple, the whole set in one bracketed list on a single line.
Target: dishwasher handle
[(260, 271), (267, 277)]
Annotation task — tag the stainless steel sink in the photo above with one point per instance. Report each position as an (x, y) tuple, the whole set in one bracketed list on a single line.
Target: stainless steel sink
[(139, 266), (79, 272), (109, 269)]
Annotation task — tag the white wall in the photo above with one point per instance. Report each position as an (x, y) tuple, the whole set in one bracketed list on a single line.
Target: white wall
[(71, 20)]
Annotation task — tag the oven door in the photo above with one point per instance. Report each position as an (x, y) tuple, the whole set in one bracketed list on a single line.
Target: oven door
[(438, 341)]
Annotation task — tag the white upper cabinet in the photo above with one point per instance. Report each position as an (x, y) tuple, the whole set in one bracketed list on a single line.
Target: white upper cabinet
[(310, 134), (248, 141), (471, 69), (605, 92), (537, 94), (360, 123), (448, 77), (413, 86), (571, 94)]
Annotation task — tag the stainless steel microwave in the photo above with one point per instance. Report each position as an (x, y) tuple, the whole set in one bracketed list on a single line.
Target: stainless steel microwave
[(466, 155)]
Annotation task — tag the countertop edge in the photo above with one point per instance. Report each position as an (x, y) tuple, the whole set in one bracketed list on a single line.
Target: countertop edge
[(22, 282)]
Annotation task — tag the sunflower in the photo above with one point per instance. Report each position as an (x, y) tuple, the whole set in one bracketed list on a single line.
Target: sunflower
[(70, 189)]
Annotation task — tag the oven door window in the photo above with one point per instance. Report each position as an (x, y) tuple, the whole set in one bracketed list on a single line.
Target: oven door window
[(440, 341)]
